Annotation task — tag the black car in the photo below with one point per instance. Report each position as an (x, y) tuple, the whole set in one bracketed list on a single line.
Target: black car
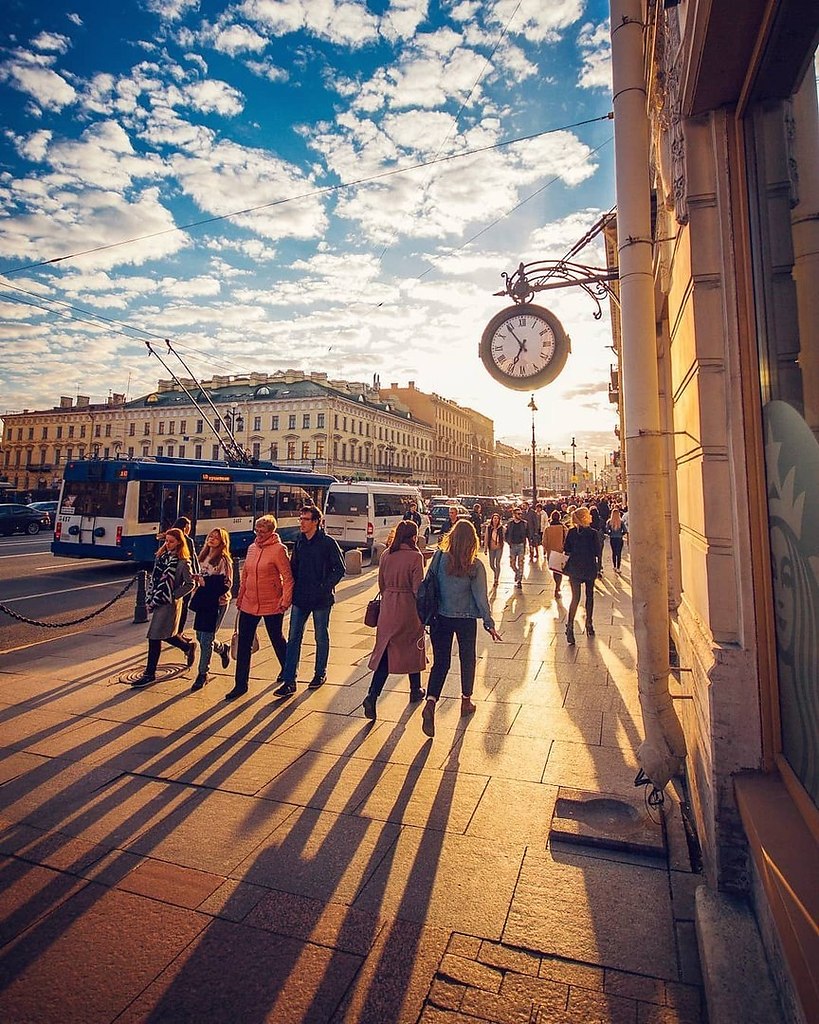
[(50, 507), (439, 514), (22, 519)]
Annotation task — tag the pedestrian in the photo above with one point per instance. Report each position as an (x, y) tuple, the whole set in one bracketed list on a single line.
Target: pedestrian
[(210, 601), (265, 592), (185, 525), (317, 566), (493, 540), (412, 514), (399, 637), (583, 547), (453, 519), (476, 518), (616, 531), (170, 580), (554, 537), (516, 539), (463, 600)]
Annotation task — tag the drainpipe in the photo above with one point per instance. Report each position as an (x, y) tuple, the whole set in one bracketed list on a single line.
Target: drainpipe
[(662, 753)]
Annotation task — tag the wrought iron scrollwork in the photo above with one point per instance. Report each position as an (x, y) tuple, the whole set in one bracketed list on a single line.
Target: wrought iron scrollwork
[(543, 275)]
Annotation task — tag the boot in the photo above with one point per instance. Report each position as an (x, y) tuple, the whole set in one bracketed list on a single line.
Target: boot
[(200, 681), (428, 718), (416, 695), (467, 707), (224, 653), (145, 679), (369, 707), (570, 636), (589, 629), (237, 691)]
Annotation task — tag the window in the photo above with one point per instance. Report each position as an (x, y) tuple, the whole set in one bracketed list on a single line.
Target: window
[(97, 430), (69, 455), (183, 426), (44, 436), (180, 453), (146, 429), (274, 422), (215, 501), (274, 452), (214, 453), (60, 432), (200, 426), (305, 449), (172, 427), (291, 422), (107, 429), (320, 421), (160, 450), (257, 423), (145, 452), (31, 433), (319, 449), (57, 456), (256, 450), (94, 498), (335, 422), (197, 451), (161, 427), (131, 452), (305, 421), (170, 451), (19, 433), (291, 450), (390, 504), (131, 429)]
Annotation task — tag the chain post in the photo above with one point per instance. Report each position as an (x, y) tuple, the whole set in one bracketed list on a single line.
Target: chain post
[(237, 572), (140, 605)]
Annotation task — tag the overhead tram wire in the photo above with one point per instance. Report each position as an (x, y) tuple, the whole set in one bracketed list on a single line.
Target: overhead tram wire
[(303, 195)]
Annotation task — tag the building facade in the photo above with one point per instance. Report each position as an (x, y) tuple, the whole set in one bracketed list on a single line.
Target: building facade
[(731, 115)]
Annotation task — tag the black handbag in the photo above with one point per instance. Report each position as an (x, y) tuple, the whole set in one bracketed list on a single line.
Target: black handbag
[(428, 598), (372, 612)]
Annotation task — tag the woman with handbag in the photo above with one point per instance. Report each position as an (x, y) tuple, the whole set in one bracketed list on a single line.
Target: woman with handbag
[(584, 548), (494, 537), (170, 581), (462, 599), (265, 592), (210, 601), (399, 639), (554, 537)]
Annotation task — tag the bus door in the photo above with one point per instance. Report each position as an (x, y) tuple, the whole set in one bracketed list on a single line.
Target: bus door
[(168, 506), (187, 504), (260, 500)]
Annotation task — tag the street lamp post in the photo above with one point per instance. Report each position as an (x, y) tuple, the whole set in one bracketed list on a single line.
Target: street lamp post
[(586, 474), (594, 478), (574, 469), (533, 407)]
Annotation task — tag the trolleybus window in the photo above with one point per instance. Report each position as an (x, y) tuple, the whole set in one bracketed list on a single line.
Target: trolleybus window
[(292, 498), (215, 501), (93, 498), (243, 499), (150, 494)]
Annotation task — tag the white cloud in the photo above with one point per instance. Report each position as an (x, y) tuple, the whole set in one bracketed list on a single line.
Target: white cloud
[(402, 18), (213, 96), (75, 19), (232, 38), (538, 23), (34, 146), (267, 69), (52, 42), (28, 72), (344, 22), (171, 10), (595, 48), (103, 157)]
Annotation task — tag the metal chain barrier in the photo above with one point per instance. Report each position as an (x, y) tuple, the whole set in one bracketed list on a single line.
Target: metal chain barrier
[(71, 622)]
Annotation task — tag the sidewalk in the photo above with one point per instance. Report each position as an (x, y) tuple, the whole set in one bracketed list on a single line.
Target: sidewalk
[(166, 856)]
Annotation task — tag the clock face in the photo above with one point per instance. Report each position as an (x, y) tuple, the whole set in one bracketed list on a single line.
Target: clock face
[(524, 347)]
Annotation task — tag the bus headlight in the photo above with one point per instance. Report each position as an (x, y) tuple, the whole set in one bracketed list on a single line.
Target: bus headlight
[(100, 531)]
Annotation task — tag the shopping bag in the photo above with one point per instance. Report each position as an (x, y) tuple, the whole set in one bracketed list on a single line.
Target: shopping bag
[(557, 561), (234, 644)]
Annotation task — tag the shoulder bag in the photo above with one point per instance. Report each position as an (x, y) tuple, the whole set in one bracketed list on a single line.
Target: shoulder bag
[(372, 612), (428, 598)]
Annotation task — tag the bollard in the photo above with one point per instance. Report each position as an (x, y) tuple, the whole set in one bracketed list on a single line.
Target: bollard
[(376, 552), (140, 606), (352, 562)]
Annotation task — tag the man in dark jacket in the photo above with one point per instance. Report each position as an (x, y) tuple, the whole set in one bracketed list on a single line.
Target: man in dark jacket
[(317, 567)]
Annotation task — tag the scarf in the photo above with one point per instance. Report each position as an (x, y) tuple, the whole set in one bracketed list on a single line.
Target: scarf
[(161, 583)]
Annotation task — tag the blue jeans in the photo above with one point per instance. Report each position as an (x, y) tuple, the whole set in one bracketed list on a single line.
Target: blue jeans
[(516, 556), (495, 556), (321, 625)]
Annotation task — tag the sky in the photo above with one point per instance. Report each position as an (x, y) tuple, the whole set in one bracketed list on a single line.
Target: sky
[(327, 185)]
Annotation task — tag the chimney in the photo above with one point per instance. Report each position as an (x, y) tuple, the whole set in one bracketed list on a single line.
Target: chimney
[(83, 401), (411, 385), (394, 384), (65, 403)]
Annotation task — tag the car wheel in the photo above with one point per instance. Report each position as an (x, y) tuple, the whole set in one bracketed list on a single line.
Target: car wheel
[(33, 528)]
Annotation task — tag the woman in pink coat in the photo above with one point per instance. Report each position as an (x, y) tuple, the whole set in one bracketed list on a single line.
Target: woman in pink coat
[(265, 592), (399, 638)]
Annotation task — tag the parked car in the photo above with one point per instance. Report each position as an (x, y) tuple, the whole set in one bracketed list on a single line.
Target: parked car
[(49, 507), (439, 514), (14, 518)]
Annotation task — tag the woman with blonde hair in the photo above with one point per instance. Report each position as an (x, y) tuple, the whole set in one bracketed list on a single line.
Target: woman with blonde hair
[(265, 592), (584, 550), (554, 536), (211, 599), (616, 531), (399, 638), (463, 599), (170, 581)]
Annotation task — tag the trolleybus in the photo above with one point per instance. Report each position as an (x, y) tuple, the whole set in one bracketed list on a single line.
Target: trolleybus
[(114, 508)]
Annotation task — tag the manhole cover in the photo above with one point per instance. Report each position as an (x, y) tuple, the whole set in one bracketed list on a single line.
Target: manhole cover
[(162, 674), (601, 819)]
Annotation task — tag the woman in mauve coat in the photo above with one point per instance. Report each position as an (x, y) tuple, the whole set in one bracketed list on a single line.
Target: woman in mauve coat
[(399, 638), (265, 592)]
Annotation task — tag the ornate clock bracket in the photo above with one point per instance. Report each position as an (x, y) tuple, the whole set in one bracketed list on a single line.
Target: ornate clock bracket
[(544, 275)]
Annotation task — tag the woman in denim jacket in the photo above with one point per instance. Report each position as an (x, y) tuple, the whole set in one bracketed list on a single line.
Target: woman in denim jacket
[(463, 600)]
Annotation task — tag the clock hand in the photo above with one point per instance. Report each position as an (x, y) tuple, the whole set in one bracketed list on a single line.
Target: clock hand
[(521, 347)]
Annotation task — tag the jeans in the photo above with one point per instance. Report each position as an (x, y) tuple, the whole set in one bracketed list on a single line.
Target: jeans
[(206, 642), (495, 556), (616, 551), (576, 585), (381, 673), (441, 634), (247, 625), (321, 626), (516, 558)]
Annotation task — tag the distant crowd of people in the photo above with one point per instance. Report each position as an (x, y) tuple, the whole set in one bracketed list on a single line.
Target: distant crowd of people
[(272, 582)]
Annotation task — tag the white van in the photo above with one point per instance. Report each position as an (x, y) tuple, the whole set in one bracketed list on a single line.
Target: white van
[(363, 513)]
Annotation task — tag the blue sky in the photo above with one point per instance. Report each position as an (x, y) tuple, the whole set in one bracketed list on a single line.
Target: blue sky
[(125, 125)]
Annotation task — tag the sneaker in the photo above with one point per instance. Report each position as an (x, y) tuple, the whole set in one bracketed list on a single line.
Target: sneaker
[(285, 690), (224, 653), (237, 691), (416, 695), (369, 707), (144, 680), (467, 707), (316, 682), (570, 636), (200, 681), (428, 718)]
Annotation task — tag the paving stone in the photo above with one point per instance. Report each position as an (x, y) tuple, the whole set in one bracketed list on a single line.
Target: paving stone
[(577, 725), (332, 734), (48, 795), (446, 994), (650, 1013), (320, 854), (404, 743), (424, 797), (635, 986), (572, 973), (325, 924), (98, 742), (542, 690), (509, 757), (489, 716), (470, 972), (596, 769), (447, 880), (271, 978), (92, 956), (683, 886), (222, 763), (435, 1015), (497, 955), (396, 977), (548, 994), (464, 945), (688, 953), (233, 900), (685, 998), (601, 1008), (498, 1008), (325, 781), (30, 892), (14, 763), (598, 911), (183, 887), (525, 808), (622, 730), (54, 850)]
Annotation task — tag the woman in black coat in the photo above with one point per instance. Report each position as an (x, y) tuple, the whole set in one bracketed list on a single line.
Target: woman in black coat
[(584, 550)]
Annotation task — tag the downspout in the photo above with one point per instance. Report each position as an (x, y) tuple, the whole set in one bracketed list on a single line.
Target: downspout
[(662, 753)]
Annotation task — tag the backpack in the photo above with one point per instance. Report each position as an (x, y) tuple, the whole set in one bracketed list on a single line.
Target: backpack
[(428, 598)]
